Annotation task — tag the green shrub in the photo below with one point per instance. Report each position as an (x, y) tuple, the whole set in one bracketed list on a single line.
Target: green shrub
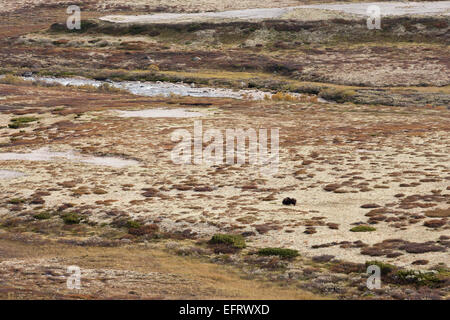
[(43, 215), (235, 241), (71, 218), (281, 252), (417, 277), (131, 224), (21, 122), (385, 268), (362, 229)]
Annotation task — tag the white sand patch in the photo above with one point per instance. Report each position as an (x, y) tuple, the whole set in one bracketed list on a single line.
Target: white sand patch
[(387, 9), (44, 154), (9, 174)]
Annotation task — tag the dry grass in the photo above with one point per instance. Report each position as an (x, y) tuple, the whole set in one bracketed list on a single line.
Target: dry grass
[(209, 281)]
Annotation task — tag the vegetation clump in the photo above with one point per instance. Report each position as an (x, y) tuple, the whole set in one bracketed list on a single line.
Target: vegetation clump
[(338, 95), (385, 268), (43, 215), (280, 96), (150, 229), (281, 252), (16, 201), (417, 277), (232, 240), (12, 79), (132, 224), (362, 229), (21, 122), (71, 218)]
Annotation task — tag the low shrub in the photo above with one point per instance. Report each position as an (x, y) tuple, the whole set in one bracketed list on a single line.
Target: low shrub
[(71, 218), (338, 95), (362, 229), (235, 241), (416, 277), (16, 201), (385, 268), (132, 224), (150, 229), (281, 252), (21, 122), (43, 215)]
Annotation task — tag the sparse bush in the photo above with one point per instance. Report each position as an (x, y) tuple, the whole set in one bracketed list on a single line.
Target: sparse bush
[(235, 241), (281, 252)]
